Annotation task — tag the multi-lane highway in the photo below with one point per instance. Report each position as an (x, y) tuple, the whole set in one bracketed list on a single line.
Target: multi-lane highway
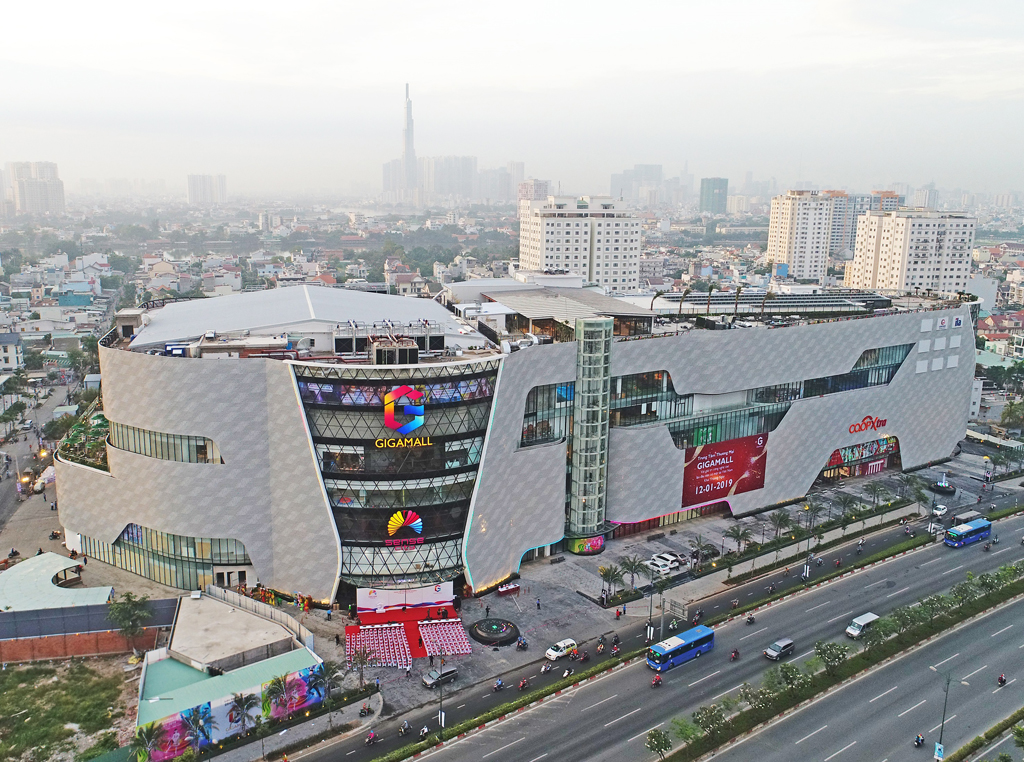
[(607, 718), (878, 716)]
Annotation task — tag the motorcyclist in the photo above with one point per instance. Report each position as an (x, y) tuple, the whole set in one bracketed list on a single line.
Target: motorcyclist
[(424, 731), (615, 650), (615, 639), (498, 685), (1002, 680), (524, 683), (371, 738), (919, 740), (656, 681), (735, 653), (405, 728), (750, 618)]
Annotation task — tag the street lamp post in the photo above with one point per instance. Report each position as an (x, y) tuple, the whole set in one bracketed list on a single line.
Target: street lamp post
[(440, 710), (942, 725)]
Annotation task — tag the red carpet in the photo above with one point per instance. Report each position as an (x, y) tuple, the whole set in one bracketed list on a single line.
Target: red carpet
[(411, 614), (412, 635)]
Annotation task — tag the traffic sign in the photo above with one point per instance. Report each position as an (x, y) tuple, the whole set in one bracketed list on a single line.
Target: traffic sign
[(940, 752), (440, 718)]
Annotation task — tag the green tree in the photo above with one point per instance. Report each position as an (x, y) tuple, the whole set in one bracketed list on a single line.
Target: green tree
[(757, 697), (659, 742), (242, 704), (685, 730), (1018, 736), (611, 576), (262, 729), (794, 677), (129, 613), (710, 719), (738, 534), (905, 617), (964, 593), (360, 657), (736, 302), (875, 635), (846, 503), (768, 296), (633, 566), (147, 739), (712, 287), (56, 429), (780, 522), (877, 491), (832, 655)]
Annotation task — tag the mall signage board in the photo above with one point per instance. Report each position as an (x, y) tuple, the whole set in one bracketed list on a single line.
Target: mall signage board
[(715, 471)]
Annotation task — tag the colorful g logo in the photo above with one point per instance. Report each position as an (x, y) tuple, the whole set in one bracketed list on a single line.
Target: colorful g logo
[(401, 519), (414, 410)]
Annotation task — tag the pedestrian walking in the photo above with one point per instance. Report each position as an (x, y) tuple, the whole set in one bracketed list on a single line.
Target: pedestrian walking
[(538, 604), (431, 660), (337, 639), (421, 642), (408, 671), (487, 611), (85, 560), (377, 681)]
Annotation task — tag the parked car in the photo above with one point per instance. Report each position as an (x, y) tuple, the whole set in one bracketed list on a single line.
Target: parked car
[(780, 648), (674, 560), (658, 566), (560, 649), (939, 511), (435, 677)]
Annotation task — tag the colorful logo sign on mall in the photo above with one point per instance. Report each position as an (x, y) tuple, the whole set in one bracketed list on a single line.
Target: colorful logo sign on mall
[(868, 424), (400, 520), (416, 411), (716, 471), (586, 546)]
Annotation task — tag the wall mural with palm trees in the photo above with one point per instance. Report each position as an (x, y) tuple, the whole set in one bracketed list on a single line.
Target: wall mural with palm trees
[(212, 722)]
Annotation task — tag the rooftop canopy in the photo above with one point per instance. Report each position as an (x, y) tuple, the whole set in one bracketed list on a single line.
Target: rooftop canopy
[(29, 585)]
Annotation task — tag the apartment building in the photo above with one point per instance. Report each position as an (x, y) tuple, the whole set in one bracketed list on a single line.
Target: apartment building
[(799, 233), (912, 249), (848, 207), (204, 190), (35, 187), (591, 236)]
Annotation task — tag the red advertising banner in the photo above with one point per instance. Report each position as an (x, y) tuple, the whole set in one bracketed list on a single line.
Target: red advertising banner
[(716, 471)]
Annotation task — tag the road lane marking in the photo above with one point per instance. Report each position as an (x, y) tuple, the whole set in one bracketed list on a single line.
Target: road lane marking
[(623, 716), (598, 703), (915, 706), (728, 691), (641, 734), (1000, 631), (1011, 682), (883, 694), (753, 633), (875, 583), (948, 719), (1001, 551), (704, 678), (950, 571), (840, 751), (810, 734), (806, 654), (946, 659), (350, 753), (974, 672), (460, 706), (932, 561), (830, 621), (890, 595), (485, 756), (812, 608), (540, 757)]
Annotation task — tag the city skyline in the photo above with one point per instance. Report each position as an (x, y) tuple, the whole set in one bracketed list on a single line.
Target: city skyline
[(924, 80)]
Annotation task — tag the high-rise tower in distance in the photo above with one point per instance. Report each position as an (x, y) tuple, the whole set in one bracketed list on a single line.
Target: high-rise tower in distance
[(409, 150)]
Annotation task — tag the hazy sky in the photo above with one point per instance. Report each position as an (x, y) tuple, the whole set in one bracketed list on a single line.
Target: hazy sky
[(309, 96)]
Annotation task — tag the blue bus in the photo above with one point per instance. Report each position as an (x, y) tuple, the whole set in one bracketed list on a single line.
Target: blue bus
[(965, 534), (680, 648)]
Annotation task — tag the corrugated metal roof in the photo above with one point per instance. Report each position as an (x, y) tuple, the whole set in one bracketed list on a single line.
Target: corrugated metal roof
[(272, 311), (565, 304), (246, 678)]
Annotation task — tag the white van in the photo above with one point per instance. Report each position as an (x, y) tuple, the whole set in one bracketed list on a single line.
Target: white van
[(861, 623)]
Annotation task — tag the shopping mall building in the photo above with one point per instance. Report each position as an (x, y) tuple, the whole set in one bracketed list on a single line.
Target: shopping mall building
[(319, 439)]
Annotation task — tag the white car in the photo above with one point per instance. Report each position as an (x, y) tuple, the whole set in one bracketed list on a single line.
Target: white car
[(939, 511), (560, 649), (674, 560), (658, 566)]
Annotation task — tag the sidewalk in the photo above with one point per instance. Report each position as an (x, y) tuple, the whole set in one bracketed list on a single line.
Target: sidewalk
[(307, 730)]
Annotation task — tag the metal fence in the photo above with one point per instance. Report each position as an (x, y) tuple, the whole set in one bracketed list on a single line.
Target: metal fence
[(76, 619), (264, 610)]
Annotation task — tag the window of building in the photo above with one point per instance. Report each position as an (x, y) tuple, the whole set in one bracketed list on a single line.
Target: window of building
[(154, 444)]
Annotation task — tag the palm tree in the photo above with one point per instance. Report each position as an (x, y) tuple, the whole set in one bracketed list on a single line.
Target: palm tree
[(907, 483), (611, 576), (846, 502), (780, 522), (736, 302), (359, 657), (712, 287), (241, 705), (653, 298), (813, 512), (198, 723), (146, 740), (739, 534), (686, 293), (877, 491), (632, 565), (767, 295), (699, 548)]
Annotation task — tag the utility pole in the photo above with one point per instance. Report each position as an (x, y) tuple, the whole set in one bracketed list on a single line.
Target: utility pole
[(440, 711)]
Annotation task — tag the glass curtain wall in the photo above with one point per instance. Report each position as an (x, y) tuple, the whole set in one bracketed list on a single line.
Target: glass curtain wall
[(155, 444), (590, 427)]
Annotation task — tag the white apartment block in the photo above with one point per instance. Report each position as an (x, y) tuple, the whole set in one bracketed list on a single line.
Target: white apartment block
[(912, 250), (590, 236), (799, 232), (847, 209)]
